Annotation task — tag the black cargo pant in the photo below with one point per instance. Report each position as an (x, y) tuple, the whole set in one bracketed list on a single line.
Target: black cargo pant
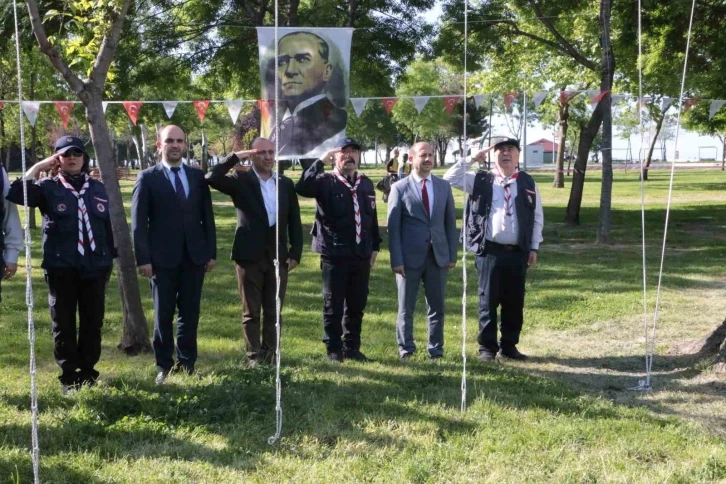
[(502, 271), (76, 351), (345, 294)]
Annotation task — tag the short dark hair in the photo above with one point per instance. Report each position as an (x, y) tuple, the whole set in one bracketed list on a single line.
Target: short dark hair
[(324, 49)]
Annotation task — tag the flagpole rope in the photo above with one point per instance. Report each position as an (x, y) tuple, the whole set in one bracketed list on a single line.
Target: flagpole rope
[(651, 349), (278, 306), (643, 384), (463, 257), (29, 300)]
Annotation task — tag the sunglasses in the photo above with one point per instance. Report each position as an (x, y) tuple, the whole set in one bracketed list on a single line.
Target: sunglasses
[(75, 153)]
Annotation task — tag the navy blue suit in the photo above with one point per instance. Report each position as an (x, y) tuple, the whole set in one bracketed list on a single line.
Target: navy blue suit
[(177, 238)]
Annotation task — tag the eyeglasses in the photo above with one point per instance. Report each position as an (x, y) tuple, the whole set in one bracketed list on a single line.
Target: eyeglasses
[(76, 153)]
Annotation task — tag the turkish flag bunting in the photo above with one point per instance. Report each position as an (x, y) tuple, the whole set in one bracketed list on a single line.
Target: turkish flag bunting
[(509, 98), (563, 97), (389, 103), (132, 109), (64, 111), (689, 103), (1, 105), (266, 106), (201, 107), (598, 97), (450, 103)]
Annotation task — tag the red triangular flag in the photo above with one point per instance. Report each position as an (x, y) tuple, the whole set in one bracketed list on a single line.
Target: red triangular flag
[(450, 102), (266, 106), (132, 109), (201, 107), (1, 105), (389, 103), (598, 97), (64, 111), (509, 98), (563, 97), (689, 103)]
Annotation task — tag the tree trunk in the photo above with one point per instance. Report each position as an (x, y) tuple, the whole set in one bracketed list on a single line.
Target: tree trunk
[(606, 83), (649, 157), (587, 136), (205, 156), (723, 151), (135, 337), (144, 158), (564, 114)]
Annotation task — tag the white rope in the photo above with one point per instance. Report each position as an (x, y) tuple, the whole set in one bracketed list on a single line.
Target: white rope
[(278, 306), (642, 384), (29, 302), (650, 339), (463, 257)]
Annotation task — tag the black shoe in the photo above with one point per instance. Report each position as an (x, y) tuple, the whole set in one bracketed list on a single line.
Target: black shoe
[(487, 355), (181, 369), (405, 357), (87, 377), (512, 353), (356, 355), (436, 357), (335, 357), (161, 377)]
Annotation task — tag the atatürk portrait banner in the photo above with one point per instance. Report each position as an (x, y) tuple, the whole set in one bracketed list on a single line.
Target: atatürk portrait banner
[(313, 68)]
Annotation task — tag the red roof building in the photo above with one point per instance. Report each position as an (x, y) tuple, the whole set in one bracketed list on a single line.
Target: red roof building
[(547, 145)]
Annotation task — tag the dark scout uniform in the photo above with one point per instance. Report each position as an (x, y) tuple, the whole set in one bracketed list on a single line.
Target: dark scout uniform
[(345, 263), (74, 280)]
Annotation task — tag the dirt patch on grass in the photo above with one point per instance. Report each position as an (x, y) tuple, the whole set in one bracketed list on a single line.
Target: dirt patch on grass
[(607, 358)]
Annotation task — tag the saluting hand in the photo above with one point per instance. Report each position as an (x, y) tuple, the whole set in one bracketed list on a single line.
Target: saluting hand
[(329, 157), (479, 157), (244, 154)]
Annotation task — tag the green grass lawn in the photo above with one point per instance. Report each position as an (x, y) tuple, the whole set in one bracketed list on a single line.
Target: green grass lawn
[(566, 416)]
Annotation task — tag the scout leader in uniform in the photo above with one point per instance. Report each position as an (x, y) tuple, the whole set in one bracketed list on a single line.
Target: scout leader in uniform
[(78, 252), (346, 236)]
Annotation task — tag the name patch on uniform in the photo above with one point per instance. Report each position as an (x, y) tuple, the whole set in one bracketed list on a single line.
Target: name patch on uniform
[(530, 191), (61, 207), (100, 199), (101, 207)]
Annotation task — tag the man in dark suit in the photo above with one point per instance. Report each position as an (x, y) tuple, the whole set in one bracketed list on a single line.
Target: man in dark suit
[(310, 122), (423, 243), (253, 250), (175, 244)]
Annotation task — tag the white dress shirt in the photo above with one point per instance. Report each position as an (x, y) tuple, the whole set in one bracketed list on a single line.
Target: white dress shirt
[(429, 188), (182, 176), (10, 225), (268, 195), (496, 230)]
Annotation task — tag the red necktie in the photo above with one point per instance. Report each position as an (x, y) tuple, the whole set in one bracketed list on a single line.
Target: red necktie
[(425, 197)]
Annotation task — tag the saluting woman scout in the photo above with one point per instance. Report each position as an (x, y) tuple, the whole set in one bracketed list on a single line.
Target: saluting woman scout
[(78, 252)]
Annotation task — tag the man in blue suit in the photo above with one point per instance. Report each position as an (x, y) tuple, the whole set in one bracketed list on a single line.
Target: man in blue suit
[(423, 244), (175, 244)]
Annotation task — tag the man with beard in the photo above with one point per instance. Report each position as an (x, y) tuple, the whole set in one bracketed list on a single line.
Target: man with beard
[(254, 248), (310, 122), (78, 252), (423, 244), (175, 244), (504, 223), (346, 236)]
